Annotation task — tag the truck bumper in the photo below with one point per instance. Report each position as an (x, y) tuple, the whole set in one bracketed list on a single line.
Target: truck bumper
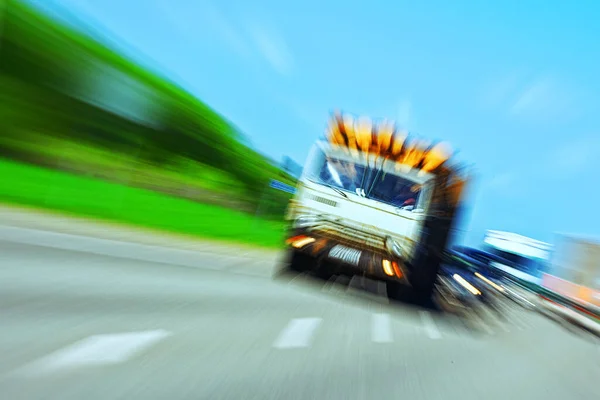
[(347, 259)]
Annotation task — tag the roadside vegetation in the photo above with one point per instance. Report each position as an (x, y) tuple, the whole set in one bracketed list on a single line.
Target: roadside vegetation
[(45, 188), (87, 131)]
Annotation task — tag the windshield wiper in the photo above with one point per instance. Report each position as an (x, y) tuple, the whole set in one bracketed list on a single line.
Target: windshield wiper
[(336, 190)]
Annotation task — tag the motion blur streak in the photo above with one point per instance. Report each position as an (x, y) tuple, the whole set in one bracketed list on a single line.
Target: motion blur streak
[(466, 284), (492, 284), (213, 331), (143, 250), (101, 128)]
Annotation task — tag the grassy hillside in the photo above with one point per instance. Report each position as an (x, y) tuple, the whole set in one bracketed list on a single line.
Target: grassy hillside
[(70, 103)]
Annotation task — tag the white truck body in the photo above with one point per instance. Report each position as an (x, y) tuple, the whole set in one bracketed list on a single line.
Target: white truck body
[(528, 255), (377, 202), (366, 218)]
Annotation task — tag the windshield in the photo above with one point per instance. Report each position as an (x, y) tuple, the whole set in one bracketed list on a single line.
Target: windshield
[(394, 190), (341, 174), (369, 182)]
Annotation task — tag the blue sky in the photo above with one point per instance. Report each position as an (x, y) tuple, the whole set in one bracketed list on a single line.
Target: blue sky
[(514, 86)]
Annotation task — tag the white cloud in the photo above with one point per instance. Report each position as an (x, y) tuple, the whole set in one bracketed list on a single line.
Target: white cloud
[(273, 48)]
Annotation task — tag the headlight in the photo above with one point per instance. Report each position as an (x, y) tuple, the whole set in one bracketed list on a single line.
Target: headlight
[(393, 247), (305, 221)]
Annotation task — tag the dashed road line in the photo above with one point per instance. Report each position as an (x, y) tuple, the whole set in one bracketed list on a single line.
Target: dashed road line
[(381, 330), (107, 349), (298, 333)]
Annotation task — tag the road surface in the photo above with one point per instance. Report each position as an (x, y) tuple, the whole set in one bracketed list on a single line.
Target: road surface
[(85, 318)]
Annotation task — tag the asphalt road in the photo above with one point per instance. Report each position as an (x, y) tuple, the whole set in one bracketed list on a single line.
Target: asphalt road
[(92, 319)]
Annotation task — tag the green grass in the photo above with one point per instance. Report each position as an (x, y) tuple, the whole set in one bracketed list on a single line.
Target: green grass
[(38, 187), (124, 167)]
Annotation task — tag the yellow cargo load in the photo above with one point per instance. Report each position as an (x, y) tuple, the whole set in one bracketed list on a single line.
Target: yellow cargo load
[(384, 140)]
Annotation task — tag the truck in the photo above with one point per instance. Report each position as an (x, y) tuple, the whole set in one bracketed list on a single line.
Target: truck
[(516, 256), (376, 201)]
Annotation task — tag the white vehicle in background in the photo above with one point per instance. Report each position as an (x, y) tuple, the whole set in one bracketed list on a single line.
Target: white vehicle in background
[(373, 202), (524, 259)]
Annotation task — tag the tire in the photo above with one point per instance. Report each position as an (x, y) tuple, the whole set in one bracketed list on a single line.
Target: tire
[(395, 291), (299, 262), (323, 271), (424, 277)]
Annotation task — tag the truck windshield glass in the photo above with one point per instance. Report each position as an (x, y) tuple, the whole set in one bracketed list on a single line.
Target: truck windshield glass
[(373, 183), (341, 174), (395, 190)]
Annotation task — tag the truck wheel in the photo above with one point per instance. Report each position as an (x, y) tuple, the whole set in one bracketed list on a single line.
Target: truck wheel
[(323, 271), (423, 298), (299, 262), (395, 291), (424, 277)]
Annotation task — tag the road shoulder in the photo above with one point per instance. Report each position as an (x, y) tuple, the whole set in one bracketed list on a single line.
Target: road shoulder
[(54, 222)]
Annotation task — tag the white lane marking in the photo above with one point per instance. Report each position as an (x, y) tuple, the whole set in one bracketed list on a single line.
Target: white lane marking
[(381, 330), (99, 350), (297, 333), (430, 327)]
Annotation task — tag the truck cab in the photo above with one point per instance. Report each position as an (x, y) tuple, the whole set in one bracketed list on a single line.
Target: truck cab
[(359, 212)]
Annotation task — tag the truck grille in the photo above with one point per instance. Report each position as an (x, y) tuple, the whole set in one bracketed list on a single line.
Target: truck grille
[(323, 200), (350, 236)]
